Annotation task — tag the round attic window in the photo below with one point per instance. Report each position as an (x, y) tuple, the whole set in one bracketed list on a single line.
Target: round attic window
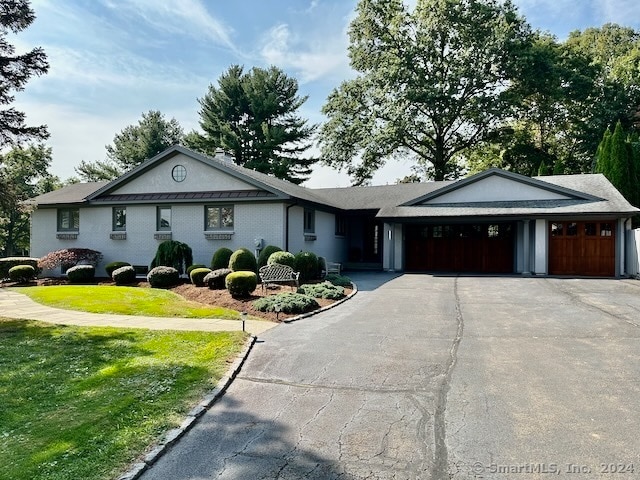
[(179, 173)]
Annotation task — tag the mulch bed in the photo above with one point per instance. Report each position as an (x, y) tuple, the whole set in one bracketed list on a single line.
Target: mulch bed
[(219, 298)]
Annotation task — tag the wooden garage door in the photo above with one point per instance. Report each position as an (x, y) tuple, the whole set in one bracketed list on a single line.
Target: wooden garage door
[(582, 248), (482, 248)]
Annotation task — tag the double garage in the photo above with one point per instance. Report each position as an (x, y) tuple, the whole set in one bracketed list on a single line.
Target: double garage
[(575, 247)]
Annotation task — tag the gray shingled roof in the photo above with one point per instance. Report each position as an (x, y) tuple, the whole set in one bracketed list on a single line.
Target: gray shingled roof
[(593, 184), (70, 194), (388, 199)]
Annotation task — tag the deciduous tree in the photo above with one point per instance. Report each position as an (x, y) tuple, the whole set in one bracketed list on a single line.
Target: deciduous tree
[(432, 82)]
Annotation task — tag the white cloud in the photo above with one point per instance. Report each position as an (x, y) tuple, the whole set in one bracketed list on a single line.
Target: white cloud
[(312, 58), (181, 17)]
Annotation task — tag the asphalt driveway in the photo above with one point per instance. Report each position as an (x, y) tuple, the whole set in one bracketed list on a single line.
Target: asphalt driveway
[(421, 377)]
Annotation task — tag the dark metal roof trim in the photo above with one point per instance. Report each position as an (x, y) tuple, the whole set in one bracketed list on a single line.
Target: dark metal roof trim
[(217, 195)]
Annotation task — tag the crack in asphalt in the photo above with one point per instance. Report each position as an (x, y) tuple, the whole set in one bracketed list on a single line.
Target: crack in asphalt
[(575, 298), (344, 388), (441, 463)]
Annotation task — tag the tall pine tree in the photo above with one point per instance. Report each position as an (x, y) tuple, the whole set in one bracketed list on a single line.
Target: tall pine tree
[(15, 72), (255, 116), (616, 160)]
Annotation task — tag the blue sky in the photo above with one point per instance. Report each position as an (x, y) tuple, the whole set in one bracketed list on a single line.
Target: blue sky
[(112, 60)]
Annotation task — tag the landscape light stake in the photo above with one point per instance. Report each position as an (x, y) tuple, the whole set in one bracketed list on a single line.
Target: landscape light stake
[(243, 315), (277, 309)]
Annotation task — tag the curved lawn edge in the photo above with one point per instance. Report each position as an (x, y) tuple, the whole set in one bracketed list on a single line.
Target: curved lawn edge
[(323, 309), (121, 300)]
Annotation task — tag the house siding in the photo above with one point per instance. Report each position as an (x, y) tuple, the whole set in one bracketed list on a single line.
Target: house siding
[(251, 221), (326, 243), (200, 178)]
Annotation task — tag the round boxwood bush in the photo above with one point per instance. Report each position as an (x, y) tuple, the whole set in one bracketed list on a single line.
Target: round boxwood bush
[(322, 290), (221, 258), (216, 279), (163, 277), (339, 280), (124, 275), (243, 260), (241, 284), (81, 273), (282, 258), (289, 303), (197, 276), (113, 266), (307, 264), (191, 268), (266, 252), (22, 273)]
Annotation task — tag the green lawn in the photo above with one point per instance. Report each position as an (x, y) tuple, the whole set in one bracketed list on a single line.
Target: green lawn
[(125, 301), (82, 403)]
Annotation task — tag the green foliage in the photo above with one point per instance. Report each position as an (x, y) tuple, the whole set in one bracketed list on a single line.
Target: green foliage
[(241, 283), (322, 290), (70, 257), (339, 280), (23, 175), (197, 276), (221, 258), (81, 273), (7, 263), (616, 159), (98, 396), (193, 267), (254, 115), (282, 258), (243, 259), (216, 280), (172, 253), (111, 267), (163, 277), (543, 170), (16, 70), (22, 273), (125, 275), (132, 146), (307, 264), (421, 89), (290, 303), (266, 252)]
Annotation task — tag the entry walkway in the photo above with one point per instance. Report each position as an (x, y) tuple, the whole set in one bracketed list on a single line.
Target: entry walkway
[(17, 305)]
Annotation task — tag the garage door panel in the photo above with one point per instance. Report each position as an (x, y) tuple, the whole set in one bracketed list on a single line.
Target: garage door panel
[(582, 248), (460, 248)]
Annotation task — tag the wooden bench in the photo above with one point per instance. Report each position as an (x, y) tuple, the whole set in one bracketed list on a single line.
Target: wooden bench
[(276, 273)]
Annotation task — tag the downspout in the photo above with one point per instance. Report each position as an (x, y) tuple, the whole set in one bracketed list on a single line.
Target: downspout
[(286, 226), (625, 273)]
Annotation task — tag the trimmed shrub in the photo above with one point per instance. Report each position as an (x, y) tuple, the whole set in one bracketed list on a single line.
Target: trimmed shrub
[(307, 264), (81, 273), (216, 279), (339, 280), (9, 262), (266, 252), (124, 275), (70, 257), (172, 253), (113, 266), (22, 273), (197, 276), (322, 290), (193, 267), (243, 260), (163, 277), (282, 258), (221, 258), (241, 284), (289, 303)]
